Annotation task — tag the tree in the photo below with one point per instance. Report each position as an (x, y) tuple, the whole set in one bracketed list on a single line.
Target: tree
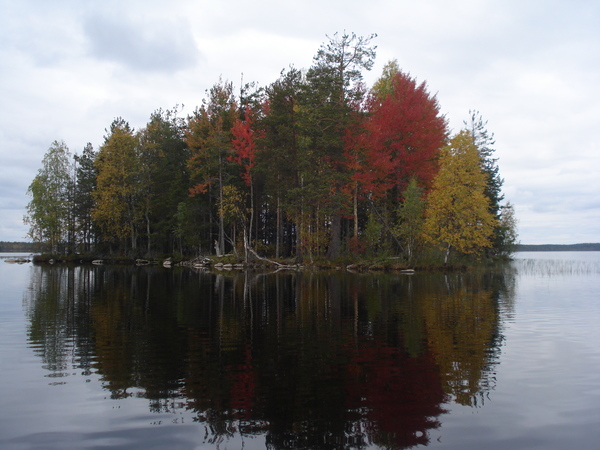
[(506, 232), (83, 204), (457, 214), (406, 131), (396, 140), (244, 148), (278, 163), (209, 139), (384, 85), (116, 210), (409, 227), (354, 163), (48, 212), (484, 141), (163, 155), (333, 91)]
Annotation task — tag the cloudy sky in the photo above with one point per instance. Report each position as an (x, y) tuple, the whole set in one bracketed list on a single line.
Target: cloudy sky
[(531, 67)]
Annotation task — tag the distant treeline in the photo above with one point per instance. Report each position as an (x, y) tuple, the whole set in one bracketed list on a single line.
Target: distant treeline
[(18, 246), (559, 248)]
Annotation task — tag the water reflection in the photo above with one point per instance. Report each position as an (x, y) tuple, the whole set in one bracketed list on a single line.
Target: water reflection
[(306, 360)]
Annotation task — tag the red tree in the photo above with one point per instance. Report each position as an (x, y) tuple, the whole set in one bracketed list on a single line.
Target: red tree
[(404, 134), (368, 172), (244, 145)]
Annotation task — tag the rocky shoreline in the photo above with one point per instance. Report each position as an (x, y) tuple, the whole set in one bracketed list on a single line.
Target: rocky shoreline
[(230, 264), (17, 260)]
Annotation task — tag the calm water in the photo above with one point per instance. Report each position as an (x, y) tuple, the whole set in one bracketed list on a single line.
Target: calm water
[(126, 357)]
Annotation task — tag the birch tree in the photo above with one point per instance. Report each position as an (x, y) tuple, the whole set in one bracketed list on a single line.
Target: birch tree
[(48, 212), (409, 227), (457, 214)]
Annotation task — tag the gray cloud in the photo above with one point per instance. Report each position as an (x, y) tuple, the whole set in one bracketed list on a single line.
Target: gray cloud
[(156, 46)]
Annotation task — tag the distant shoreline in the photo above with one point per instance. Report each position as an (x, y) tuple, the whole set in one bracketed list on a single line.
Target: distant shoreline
[(559, 248), (20, 247)]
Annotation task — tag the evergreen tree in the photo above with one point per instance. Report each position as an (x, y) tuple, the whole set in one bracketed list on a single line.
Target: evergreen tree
[(164, 155), (484, 141), (333, 92), (278, 163), (84, 202)]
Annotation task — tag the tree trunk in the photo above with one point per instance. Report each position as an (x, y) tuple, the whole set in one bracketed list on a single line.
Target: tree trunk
[(148, 229), (221, 219), (446, 256), (246, 254), (133, 239), (299, 228), (336, 231), (246, 247), (356, 210), (278, 226)]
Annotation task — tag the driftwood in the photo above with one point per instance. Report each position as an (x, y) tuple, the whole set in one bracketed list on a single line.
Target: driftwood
[(260, 258)]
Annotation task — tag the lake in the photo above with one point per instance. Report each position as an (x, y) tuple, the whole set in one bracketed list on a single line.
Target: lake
[(149, 357)]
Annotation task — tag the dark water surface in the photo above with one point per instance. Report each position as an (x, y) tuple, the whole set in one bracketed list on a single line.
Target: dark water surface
[(148, 357)]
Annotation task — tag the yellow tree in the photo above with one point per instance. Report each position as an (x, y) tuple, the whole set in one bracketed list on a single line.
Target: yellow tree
[(117, 184), (457, 214)]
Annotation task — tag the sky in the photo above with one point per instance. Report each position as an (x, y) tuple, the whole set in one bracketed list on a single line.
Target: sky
[(530, 67)]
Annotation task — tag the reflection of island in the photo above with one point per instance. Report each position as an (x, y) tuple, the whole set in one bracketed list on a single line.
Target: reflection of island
[(308, 360)]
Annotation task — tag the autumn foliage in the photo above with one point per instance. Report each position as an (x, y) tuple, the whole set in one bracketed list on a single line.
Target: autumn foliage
[(315, 164), (406, 132), (244, 145)]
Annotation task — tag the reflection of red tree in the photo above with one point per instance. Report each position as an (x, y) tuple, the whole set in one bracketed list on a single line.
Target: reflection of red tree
[(243, 387), (399, 396)]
